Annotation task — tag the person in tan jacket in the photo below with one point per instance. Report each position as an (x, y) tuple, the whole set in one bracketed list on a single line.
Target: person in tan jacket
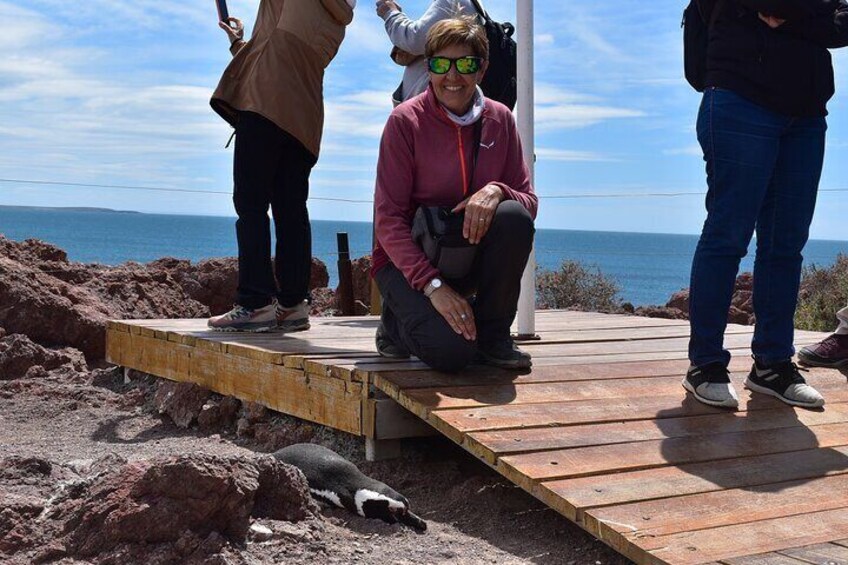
[(272, 94)]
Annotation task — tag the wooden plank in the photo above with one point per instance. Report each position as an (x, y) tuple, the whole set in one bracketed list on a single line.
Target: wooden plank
[(482, 375), (284, 345), (182, 339), (330, 402), (764, 559), (257, 353), (677, 344), (147, 332), (640, 333), (459, 422), (373, 369), (299, 361), (692, 548), (445, 398), (117, 326), (572, 497), (148, 354), (570, 320), (611, 409), (492, 445), (821, 554), (604, 459), (117, 346), (619, 524)]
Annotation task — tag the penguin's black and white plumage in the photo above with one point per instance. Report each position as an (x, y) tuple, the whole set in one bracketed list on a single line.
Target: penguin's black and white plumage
[(337, 481)]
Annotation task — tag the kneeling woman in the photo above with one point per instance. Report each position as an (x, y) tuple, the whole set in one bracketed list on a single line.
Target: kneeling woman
[(451, 147)]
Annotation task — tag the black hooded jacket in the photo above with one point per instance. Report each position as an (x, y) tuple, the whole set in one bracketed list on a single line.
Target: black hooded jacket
[(787, 70)]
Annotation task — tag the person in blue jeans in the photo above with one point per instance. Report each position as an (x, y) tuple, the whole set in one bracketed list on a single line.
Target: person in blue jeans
[(762, 129)]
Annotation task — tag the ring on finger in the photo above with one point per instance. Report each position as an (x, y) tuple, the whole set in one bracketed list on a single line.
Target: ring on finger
[(462, 316)]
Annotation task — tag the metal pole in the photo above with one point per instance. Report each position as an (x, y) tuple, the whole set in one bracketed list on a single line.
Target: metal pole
[(526, 115)]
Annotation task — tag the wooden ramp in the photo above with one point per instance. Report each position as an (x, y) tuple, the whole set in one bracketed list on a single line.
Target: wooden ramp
[(600, 430)]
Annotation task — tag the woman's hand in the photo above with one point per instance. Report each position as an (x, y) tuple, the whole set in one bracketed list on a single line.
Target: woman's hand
[(455, 310), (771, 21), (386, 6), (234, 28), (480, 210)]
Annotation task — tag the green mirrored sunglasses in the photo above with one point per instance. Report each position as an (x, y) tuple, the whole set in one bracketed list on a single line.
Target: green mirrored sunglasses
[(464, 65)]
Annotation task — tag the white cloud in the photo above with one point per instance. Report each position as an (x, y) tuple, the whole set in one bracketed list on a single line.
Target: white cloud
[(544, 39), (571, 116), (691, 150), (358, 114), (24, 27), (568, 155)]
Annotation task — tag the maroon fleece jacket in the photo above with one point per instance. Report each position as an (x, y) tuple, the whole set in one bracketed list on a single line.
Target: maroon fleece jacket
[(425, 160)]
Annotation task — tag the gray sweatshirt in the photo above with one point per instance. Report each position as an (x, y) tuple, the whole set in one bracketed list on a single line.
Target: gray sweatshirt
[(411, 36)]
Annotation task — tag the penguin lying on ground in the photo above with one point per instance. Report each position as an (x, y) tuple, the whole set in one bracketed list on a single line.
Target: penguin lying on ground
[(337, 481)]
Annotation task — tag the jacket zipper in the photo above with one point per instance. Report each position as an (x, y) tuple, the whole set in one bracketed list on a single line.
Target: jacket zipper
[(462, 163)]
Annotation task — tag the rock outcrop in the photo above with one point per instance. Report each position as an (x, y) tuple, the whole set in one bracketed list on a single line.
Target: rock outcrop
[(57, 303), (741, 309), (179, 507)]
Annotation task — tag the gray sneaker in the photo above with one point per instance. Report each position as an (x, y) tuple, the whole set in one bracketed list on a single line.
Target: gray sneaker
[(711, 385), (241, 319), (783, 381), (294, 319)]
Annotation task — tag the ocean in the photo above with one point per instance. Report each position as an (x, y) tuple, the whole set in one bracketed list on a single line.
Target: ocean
[(647, 267)]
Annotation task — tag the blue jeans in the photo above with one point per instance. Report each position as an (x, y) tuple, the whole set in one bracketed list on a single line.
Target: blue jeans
[(763, 172)]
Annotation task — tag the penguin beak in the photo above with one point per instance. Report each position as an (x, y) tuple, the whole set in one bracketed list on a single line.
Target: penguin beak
[(407, 518)]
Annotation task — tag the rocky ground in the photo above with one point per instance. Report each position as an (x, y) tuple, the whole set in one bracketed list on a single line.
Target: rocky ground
[(96, 468)]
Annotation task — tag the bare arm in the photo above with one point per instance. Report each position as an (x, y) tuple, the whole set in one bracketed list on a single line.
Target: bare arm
[(234, 28), (411, 35)]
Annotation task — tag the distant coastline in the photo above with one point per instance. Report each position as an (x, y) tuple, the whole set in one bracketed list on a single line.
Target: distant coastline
[(68, 209)]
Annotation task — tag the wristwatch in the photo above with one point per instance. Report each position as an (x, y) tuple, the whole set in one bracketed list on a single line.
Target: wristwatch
[(432, 287)]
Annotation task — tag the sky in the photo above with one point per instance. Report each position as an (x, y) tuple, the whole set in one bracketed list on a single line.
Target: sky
[(115, 92)]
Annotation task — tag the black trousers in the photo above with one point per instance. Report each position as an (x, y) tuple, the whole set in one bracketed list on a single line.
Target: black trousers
[(271, 169), (495, 283)]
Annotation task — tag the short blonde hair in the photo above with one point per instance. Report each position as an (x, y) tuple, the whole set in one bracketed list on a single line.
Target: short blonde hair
[(459, 30)]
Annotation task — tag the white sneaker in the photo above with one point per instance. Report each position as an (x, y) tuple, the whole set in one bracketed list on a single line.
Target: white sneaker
[(241, 319), (711, 385), (295, 319), (784, 381)]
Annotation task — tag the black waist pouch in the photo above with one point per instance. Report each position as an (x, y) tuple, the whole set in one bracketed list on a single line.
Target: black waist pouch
[(438, 231)]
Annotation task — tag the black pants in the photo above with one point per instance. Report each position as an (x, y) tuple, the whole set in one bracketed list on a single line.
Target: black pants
[(411, 320), (271, 168)]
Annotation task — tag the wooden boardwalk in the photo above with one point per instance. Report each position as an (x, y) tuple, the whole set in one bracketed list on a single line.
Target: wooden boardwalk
[(599, 430)]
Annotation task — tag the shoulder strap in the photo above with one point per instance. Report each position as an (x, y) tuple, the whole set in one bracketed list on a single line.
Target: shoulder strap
[(483, 14), (717, 6), (478, 138), (716, 13)]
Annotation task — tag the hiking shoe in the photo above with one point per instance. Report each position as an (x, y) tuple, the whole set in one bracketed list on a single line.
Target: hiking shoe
[(241, 319), (783, 381), (832, 353), (294, 319), (504, 354), (387, 348), (711, 385)]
